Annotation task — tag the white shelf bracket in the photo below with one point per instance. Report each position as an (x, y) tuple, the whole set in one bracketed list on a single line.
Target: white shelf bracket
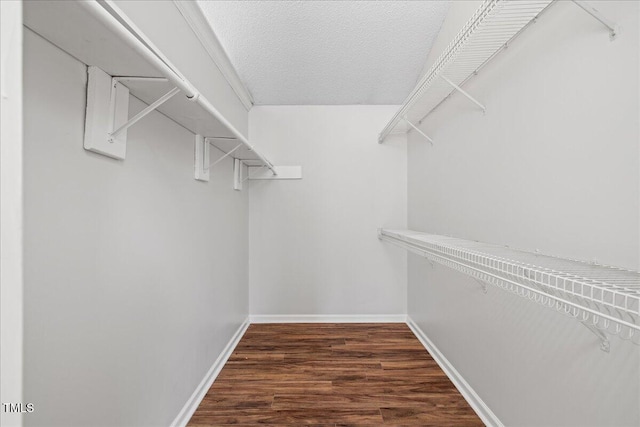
[(201, 155), (465, 93), (283, 173), (237, 174), (142, 113), (242, 172), (614, 29), (604, 341), (230, 152), (605, 345), (107, 113), (249, 176), (482, 284), (419, 131), (107, 108)]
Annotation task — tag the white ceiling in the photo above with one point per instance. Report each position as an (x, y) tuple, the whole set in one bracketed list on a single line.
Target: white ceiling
[(327, 52)]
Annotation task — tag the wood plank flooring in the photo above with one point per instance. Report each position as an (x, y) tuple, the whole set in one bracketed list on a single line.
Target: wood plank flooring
[(332, 375)]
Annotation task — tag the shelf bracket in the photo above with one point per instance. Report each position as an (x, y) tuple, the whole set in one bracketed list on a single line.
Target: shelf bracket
[(237, 174), (142, 113), (419, 131), (107, 108), (201, 155), (282, 173), (604, 341), (230, 152), (465, 93), (249, 176), (107, 112), (482, 284), (241, 171), (614, 29)]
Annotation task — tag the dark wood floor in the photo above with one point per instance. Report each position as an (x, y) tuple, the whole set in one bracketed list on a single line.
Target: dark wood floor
[(332, 375)]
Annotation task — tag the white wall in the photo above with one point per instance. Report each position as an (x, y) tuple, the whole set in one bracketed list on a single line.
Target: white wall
[(554, 165), (314, 248), (135, 273), (11, 277)]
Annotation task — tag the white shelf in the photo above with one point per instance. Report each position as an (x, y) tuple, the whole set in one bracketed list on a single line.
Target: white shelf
[(490, 28), (93, 33), (606, 299)]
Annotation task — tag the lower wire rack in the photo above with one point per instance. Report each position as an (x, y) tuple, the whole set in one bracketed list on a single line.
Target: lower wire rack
[(605, 299)]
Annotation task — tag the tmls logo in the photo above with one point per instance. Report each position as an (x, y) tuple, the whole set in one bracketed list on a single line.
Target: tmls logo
[(18, 407)]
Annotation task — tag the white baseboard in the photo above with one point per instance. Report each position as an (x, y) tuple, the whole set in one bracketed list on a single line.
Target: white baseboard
[(328, 318), (486, 415), (192, 404)]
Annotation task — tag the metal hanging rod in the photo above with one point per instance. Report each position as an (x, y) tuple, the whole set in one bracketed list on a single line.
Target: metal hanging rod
[(140, 79), (604, 299), (111, 16), (108, 13), (164, 98)]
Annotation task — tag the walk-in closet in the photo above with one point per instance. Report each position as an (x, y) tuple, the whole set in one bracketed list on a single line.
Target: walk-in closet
[(322, 213)]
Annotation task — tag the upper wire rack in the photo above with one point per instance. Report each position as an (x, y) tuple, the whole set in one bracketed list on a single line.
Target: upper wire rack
[(490, 28)]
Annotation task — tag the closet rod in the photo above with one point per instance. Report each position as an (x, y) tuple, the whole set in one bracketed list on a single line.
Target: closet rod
[(116, 22)]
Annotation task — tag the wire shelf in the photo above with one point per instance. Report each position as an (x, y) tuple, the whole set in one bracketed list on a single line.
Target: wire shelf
[(490, 28), (604, 298)]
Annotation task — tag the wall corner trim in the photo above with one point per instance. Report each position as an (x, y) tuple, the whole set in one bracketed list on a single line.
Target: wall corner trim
[(477, 404), (194, 401), (328, 318), (202, 29)]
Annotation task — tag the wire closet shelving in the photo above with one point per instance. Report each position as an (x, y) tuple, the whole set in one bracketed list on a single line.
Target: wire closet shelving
[(491, 28), (605, 299)]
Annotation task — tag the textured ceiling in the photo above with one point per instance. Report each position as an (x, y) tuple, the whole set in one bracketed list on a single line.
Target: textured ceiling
[(327, 52)]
